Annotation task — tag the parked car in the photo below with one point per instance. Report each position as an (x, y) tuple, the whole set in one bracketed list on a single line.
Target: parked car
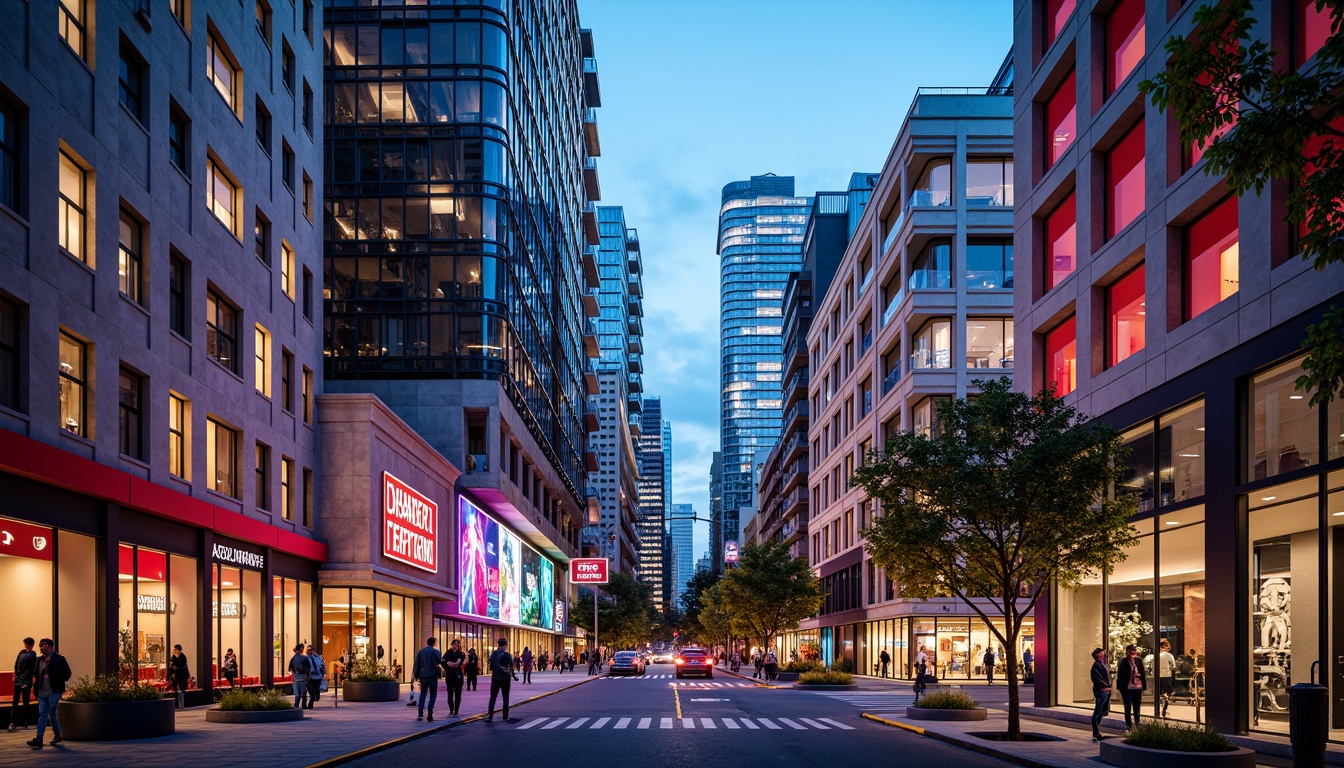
[(626, 663), (694, 661)]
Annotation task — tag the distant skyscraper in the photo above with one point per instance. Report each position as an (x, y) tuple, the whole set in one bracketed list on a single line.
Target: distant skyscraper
[(681, 527), (716, 512), (761, 227), (652, 498)]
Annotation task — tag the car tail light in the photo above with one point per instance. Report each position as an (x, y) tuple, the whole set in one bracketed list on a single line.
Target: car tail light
[(680, 662)]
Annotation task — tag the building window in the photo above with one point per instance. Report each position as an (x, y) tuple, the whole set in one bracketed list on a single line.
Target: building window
[(989, 181), (1212, 258), (1061, 357), (130, 416), (72, 209), (934, 187), (1124, 42), (179, 9), (307, 107), (1125, 311), (263, 356), (1124, 181), (9, 155), (131, 82), (307, 385), (307, 197), (262, 237), (178, 132), (223, 73), (1311, 28), (308, 20), (224, 195), (307, 497), (264, 22), (177, 295), (932, 269), (1061, 119), (989, 342), (287, 269), (221, 331), (71, 20), (1061, 241), (73, 375), (263, 479), (287, 165), (263, 126), (287, 66), (9, 354), (286, 488), (1285, 429), (307, 294), (221, 457), (179, 449), (129, 257), (1057, 13), (287, 380), (932, 345), (989, 264)]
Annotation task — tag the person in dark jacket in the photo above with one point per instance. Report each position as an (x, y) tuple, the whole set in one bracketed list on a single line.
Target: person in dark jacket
[(1101, 690), (1132, 680), (472, 669), (426, 671), (231, 667), (453, 662), (990, 660), (49, 678), (299, 667), (25, 665), (179, 675), (885, 658), (501, 676)]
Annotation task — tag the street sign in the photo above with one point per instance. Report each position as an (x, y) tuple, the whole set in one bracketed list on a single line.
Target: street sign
[(588, 570)]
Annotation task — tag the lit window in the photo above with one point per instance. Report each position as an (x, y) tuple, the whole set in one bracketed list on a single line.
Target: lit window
[(73, 377), (71, 209), (989, 181), (287, 488), (1124, 42), (1061, 357), (932, 346), (1061, 119), (1057, 12), (223, 194), (1125, 311), (935, 184), (179, 9), (131, 420), (71, 20), (264, 22), (262, 355), (221, 331), (1212, 258), (1311, 28), (179, 449), (287, 269), (989, 342), (1124, 181), (1061, 241), (1311, 151), (221, 457), (221, 71), (129, 257)]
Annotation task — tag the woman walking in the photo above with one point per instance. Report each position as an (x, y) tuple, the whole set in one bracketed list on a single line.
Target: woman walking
[(527, 665), (1132, 680), (473, 669)]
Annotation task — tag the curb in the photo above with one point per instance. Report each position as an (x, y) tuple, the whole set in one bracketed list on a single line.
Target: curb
[(971, 746), (755, 681), (359, 754)]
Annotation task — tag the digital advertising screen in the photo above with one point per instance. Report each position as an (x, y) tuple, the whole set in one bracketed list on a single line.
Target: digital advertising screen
[(510, 596), (547, 596), (531, 588), (501, 577)]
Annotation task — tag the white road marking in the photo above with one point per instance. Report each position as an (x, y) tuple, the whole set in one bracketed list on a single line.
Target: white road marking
[(812, 723), (557, 721), (578, 723), (666, 722), (836, 723), (600, 723), (531, 723), (766, 722), (687, 722), (708, 722), (644, 722), (747, 722), (790, 723), (732, 724)]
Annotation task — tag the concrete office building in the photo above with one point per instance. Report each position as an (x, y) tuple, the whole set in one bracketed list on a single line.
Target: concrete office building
[(652, 498), (1158, 303), (159, 345)]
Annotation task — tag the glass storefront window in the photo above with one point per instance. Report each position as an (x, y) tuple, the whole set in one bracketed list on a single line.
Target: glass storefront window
[(1139, 468), (76, 604), (1077, 615), (151, 614), (1335, 520), (1180, 607), (156, 609), (1129, 604), (1286, 430), (236, 612), (1180, 443), (26, 573), (370, 623), (292, 619)]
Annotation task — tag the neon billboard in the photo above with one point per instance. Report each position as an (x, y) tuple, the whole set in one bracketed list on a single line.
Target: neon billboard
[(501, 577)]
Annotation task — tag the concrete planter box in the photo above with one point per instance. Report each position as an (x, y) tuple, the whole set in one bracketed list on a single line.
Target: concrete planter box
[(254, 716), (788, 677), (802, 687), (946, 715), (117, 720), (370, 691), (1117, 752)]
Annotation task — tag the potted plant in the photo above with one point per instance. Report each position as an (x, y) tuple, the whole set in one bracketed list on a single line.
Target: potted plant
[(369, 681), (793, 669), (272, 705), (106, 708), (946, 706), (826, 680), (1155, 744)]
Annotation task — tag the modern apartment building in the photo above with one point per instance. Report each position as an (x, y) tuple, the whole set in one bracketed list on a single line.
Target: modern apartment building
[(760, 237), (1159, 303), (652, 499), (159, 351), (918, 309), (716, 512)]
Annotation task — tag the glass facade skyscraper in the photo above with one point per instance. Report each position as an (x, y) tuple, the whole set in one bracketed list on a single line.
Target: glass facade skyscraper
[(652, 498), (761, 226), (681, 528)]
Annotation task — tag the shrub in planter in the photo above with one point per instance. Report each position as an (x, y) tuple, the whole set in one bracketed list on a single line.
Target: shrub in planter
[(369, 681), (825, 678), (1170, 745), (804, 666), (947, 700), (108, 687), (1174, 737), (946, 706), (106, 708), (255, 701), (368, 670)]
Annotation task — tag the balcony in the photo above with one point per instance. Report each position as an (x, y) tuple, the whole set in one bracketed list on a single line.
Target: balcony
[(590, 182), (892, 231), (636, 344), (590, 232), (590, 423), (635, 363), (930, 198), (923, 359), (592, 94), (866, 343), (792, 447), (635, 405), (798, 410), (590, 306), (590, 137), (635, 306), (636, 325), (889, 383), (590, 383), (892, 306), (635, 285), (989, 280), (930, 280), (636, 383), (591, 277), (590, 461), (590, 346)]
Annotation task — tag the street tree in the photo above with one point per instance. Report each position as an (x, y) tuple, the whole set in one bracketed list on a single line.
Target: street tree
[(1006, 496), (624, 612), (769, 590), (1259, 122), (716, 624), (691, 605)]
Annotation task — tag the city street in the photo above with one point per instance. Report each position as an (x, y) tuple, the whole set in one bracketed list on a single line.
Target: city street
[(656, 720)]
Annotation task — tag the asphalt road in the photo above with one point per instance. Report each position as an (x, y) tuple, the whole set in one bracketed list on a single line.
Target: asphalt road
[(656, 721)]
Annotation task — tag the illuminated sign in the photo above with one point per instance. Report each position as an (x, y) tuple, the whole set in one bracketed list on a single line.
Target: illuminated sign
[(501, 577), (588, 570), (151, 604), (223, 553), (228, 610), (730, 552), (24, 540), (410, 525)]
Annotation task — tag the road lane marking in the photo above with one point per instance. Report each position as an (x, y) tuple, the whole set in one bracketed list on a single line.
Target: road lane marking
[(747, 722), (837, 724), (578, 723), (600, 723), (623, 722), (687, 722), (530, 723), (643, 722), (812, 723), (731, 723), (785, 721), (666, 722), (766, 722), (708, 722), (557, 721), (676, 696)]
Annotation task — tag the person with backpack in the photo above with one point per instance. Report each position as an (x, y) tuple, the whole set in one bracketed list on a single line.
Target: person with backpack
[(426, 671), (49, 679), (298, 670), (317, 676), (501, 676)]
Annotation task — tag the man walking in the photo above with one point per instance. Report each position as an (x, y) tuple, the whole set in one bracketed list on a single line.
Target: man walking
[(501, 675), (885, 658), (1101, 690), (25, 665), (990, 660), (426, 670), (317, 674), (1163, 667), (453, 662), (298, 669), (49, 678), (179, 675)]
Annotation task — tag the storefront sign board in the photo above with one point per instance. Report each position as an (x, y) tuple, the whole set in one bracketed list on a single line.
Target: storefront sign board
[(588, 570), (410, 525), (232, 555)]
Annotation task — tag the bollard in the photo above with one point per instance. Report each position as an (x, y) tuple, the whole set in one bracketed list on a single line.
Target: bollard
[(1308, 724)]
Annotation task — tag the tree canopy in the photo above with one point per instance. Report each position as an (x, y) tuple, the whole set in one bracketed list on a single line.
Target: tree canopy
[(692, 605), (769, 590), (625, 613)]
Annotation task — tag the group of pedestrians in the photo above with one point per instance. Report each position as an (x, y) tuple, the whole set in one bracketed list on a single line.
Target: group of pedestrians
[(766, 664), (308, 672), (41, 675), (459, 670), (1131, 677)]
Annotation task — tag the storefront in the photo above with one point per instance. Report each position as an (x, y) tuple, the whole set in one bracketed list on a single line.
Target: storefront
[(954, 643)]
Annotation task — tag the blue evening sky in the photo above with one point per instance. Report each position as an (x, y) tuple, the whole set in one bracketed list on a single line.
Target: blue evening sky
[(696, 94)]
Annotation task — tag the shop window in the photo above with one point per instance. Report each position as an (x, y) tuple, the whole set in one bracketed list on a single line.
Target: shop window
[(71, 20), (1061, 241), (72, 207), (223, 72), (989, 342), (1180, 454), (1126, 308), (157, 609), (373, 624), (292, 621), (76, 605), (223, 196), (1212, 258), (1285, 429), (9, 354), (1181, 600), (221, 331), (1311, 30), (989, 181), (130, 259), (934, 187), (1057, 13), (1061, 119), (1125, 181), (74, 374), (989, 264), (179, 282), (179, 436), (932, 345), (131, 417), (1079, 615), (1139, 481), (1124, 42), (221, 457), (236, 613), (263, 478), (179, 131), (1061, 357)]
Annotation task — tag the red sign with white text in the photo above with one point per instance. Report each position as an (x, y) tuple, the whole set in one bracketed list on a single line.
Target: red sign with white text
[(24, 540), (410, 525), (588, 570)]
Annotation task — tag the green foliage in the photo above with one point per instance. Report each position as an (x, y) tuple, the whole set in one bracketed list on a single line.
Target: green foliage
[(1211, 83), (947, 700), (626, 615), (109, 687), (845, 666), (243, 700), (367, 670), (1174, 737), (804, 666), (769, 590), (715, 621), (691, 605), (825, 678)]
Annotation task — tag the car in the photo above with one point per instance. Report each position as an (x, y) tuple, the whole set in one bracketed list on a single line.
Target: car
[(662, 657), (694, 661), (626, 663)]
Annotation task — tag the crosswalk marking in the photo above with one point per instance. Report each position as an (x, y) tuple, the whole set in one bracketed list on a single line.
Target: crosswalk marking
[(837, 724), (665, 723), (644, 723), (623, 722), (599, 723), (792, 724), (708, 722), (766, 722), (557, 721), (531, 723), (747, 722), (687, 722), (812, 723), (732, 724), (578, 723)]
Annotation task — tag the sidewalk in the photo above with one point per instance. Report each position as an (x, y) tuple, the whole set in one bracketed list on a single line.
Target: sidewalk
[(327, 731)]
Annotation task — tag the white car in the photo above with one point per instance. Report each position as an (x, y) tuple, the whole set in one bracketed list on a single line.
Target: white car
[(662, 657)]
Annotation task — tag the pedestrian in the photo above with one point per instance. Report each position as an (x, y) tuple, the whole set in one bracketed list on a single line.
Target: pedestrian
[(453, 662), (426, 670), (1130, 676), (179, 675), (298, 670), (885, 658), (472, 669), (25, 665), (758, 661), (1165, 672), (1027, 674), (594, 666), (541, 662), (989, 660), (771, 666), (573, 662), (527, 665), (501, 677), (921, 663), (1101, 690), (317, 677), (49, 678), (230, 667)]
